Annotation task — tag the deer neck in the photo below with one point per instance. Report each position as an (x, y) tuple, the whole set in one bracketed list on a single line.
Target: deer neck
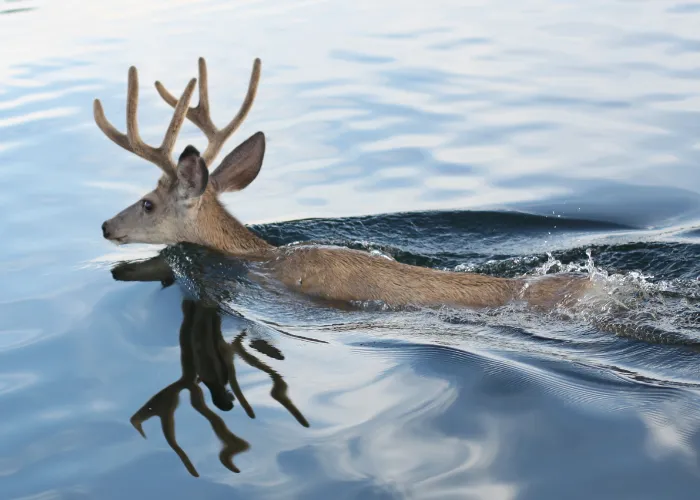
[(217, 229)]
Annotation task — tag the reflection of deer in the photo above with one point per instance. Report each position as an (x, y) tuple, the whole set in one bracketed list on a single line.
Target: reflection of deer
[(205, 356)]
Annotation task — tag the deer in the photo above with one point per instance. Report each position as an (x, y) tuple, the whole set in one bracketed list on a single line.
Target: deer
[(185, 208)]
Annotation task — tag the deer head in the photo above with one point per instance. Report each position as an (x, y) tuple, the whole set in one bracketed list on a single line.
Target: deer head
[(172, 212)]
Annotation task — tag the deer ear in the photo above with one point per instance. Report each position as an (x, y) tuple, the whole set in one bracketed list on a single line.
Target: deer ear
[(241, 166), (192, 174)]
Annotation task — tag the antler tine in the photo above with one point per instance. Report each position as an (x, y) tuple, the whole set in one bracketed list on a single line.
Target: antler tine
[(201, 116), (131, 141), (177, 120), (107, 128), (221, 137)]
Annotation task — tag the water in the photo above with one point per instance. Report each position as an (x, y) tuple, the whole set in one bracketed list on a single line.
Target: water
[(508, 139)]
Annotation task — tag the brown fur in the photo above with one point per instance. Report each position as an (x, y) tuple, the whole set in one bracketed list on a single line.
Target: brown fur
[(185, 208), (346, 275)]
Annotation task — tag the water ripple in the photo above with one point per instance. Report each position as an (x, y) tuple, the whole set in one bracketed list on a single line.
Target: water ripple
[(579, 118)]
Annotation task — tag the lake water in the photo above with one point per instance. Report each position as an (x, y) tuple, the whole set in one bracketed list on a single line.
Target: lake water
[(506, 138)]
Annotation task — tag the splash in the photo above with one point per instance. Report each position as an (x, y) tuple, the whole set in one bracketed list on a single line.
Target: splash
[(632, 304)]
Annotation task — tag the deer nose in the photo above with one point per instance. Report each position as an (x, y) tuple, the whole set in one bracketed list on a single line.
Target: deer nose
[(105, 230)]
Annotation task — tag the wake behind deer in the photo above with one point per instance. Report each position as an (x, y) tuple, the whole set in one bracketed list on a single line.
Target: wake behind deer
[(184, 207)]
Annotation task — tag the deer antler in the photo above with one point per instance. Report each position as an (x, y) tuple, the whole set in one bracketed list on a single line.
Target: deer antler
[(131, 141), (201, 116)]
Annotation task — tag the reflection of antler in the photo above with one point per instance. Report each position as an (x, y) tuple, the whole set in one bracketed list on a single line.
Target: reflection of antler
[(165, 402), (279, 386), (209, 364), (205, 356)]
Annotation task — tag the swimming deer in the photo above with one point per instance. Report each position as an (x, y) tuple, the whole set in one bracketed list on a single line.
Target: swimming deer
[(184, 207)]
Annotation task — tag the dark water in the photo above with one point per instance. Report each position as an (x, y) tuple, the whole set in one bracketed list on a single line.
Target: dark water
[(506, 139)]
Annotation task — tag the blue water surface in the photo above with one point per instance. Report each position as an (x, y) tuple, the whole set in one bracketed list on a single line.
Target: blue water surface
[(508, 138)]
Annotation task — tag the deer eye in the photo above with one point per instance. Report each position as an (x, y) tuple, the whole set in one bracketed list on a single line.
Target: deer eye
[(147, 205)]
